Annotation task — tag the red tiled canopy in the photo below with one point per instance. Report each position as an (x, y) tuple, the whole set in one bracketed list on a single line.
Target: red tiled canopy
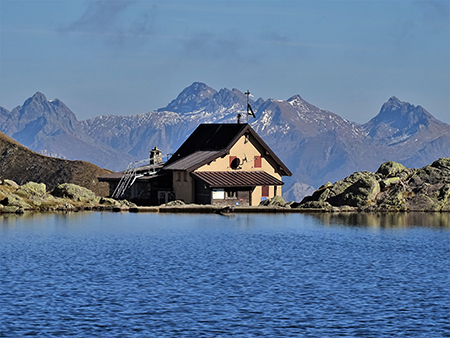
[(222, 179)]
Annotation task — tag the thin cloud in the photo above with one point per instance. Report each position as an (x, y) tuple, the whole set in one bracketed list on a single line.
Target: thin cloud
[(115, 22), (208, 45), (436, 11)]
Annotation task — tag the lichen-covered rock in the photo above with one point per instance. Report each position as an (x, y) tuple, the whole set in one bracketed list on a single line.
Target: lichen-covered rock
[(388, 182), (392, 188), (11, 210), (175, 203), (75, 192), (15, 201), (442, 164), (276, 201), (390, 169), (33, 189), (315, 205), (128, 204), (361, 193), (109, 201), (356, 190), (11, 183)]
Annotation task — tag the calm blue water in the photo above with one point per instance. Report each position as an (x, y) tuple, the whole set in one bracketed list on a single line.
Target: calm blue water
[(153, 275)]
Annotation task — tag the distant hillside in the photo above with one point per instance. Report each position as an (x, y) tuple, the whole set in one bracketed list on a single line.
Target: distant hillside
[(22, 165)]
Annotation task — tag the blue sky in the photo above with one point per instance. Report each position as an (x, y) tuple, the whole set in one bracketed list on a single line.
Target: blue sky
[(128, 57)]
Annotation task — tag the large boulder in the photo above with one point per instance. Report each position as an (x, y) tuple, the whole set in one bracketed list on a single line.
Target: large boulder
[(11, 183), (357, 190), (15, 201), (175, 203), (391, 169), (392, 188), (276, 201), (32, 189), (75, 193)]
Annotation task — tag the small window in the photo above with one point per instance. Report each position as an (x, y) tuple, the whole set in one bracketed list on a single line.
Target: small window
[(258, 162), (218, 194), (231, 194), (178, 176)]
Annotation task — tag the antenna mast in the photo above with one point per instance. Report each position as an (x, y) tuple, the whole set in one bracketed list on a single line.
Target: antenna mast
[(249, 108)]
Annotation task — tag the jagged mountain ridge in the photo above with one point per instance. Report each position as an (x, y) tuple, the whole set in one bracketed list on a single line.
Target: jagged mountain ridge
[(49, 127), (317, 145), (168, 127)]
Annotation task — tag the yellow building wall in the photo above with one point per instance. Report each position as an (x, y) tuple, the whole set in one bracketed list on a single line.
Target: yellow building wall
[(245, 148), (257, 194), (242, 149)]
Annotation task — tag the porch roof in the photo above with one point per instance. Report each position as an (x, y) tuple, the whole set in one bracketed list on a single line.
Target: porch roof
[(223, 179)]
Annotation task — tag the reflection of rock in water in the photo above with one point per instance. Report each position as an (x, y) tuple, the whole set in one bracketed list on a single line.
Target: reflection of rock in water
[(385, 220)]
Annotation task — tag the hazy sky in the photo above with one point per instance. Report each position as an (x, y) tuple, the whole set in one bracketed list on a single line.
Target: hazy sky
[(128, 57)]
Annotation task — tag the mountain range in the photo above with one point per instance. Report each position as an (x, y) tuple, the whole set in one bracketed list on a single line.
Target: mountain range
[(317, 145)]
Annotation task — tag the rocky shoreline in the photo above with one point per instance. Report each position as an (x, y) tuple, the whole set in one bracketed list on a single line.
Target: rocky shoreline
[(65, 197), (393, 188)]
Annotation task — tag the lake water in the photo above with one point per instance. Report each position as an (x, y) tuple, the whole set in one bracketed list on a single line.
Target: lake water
[(154, 275)]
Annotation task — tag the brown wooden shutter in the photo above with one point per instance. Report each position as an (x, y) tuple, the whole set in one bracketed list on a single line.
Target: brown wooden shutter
[(231, 160), (265, 191), (258, 162)]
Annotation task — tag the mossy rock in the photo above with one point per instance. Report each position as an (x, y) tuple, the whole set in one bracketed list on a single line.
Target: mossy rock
[(75, 193), (109, 201), (444, 193), (10, 210), (315, 205), (326, 185), (360, 193), (343, 185), (390, 169), (15, 201), (276, 201), (175, 203), (11, 183), (442, 163), (33, 189), (126, 203), (388, 182)]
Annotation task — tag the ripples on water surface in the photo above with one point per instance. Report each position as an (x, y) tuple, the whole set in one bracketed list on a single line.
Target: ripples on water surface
[(153, 275)]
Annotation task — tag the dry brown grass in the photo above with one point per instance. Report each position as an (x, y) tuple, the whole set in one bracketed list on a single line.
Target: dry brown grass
[(22, 165)]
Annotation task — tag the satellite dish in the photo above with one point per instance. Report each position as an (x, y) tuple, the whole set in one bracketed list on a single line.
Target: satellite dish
[(235, 163)]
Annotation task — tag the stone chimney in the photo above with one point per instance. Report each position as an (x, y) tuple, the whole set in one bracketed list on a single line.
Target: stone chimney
[(155, 156)]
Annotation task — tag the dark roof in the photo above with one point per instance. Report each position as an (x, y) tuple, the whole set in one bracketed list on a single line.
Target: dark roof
[(222, 179), (210, 141), (208, 137), (116, 176), (193, 159)]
